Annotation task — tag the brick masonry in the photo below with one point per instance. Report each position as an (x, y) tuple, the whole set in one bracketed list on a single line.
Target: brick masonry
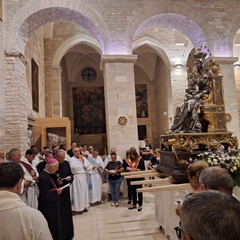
[(116, 26)]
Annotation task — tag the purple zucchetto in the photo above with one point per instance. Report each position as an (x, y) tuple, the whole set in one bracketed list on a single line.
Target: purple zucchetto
[(51, 160)]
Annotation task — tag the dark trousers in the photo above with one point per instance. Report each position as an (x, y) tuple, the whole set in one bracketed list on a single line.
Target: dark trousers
[(129, 190), (136, 197)]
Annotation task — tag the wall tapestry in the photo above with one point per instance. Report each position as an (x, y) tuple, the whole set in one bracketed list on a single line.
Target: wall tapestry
[(141, 101), (89, 110)]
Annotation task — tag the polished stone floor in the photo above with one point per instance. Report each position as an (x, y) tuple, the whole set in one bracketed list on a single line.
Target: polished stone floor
[(105, 222)]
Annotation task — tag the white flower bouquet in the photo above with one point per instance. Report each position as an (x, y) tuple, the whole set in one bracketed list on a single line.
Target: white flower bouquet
[(229, 160)]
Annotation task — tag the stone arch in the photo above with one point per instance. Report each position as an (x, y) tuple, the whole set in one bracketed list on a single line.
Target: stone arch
[(32, 16), (156, 45), (172, 15), (231, 32), (79, 62), (71, 42)]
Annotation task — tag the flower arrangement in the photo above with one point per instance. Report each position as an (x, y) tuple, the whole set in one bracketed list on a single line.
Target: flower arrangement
[(229, 160)]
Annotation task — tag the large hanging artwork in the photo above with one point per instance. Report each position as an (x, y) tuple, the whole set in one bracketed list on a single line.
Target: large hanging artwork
[(141, 101), (89, 110), (35, 86)]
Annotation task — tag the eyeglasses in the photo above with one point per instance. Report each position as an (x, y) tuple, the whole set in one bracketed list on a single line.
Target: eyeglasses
[(178, 231)]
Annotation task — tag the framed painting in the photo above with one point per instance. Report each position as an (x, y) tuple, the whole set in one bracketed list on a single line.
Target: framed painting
[(141, 100), (35, 86), (89, 110)]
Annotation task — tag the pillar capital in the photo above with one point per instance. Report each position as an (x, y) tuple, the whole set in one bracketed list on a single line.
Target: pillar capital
[(117, 59), (16, 54), (57, 68), (225, 60)]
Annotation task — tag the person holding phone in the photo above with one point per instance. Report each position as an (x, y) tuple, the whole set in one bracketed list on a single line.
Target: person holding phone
[(114, 169)]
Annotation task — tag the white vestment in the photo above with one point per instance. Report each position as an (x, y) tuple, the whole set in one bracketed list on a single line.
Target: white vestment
[(38, 158), (30, 194), (95, 191), (18, 221), (79, 187)]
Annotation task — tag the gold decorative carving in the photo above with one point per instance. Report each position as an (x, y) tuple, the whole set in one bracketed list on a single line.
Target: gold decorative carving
[(228, 117), (192, 141)]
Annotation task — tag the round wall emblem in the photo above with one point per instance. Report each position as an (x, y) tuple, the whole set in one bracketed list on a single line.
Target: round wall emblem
[(88, 74), (122, 121)]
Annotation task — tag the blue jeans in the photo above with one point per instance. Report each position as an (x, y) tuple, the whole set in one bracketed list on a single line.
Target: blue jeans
[(115, 188)]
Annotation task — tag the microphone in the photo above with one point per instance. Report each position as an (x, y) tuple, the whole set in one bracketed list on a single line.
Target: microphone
[(58, 176)]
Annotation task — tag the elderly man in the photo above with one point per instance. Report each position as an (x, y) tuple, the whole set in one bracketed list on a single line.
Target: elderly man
[(216, 178), (14, 155), (49, 200), (30, 194), (18, 221), (64, 176), (108, 158), (79, 188), (210, 215), (70, 151)]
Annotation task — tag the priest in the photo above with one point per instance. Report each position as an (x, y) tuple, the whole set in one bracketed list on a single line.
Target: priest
[(80, 166), (64, 177), (49, 200)]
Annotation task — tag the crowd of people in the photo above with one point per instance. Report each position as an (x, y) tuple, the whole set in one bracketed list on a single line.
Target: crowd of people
[(61, 183)]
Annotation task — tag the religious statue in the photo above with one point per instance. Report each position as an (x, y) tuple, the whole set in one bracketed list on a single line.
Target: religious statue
[(189, 117)]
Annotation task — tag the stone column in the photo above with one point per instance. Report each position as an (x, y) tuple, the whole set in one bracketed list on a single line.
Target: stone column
[(16, 111), (56, 92), (237, 79), (120, 103), (229, 92), (53, 84), (178, 85), (48, 77)]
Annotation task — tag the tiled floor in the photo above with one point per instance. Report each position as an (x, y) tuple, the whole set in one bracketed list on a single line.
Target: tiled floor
[(104, 222)]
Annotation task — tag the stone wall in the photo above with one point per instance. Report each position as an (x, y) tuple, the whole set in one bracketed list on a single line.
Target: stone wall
[(163, 95), (35, 50), (113, 29)]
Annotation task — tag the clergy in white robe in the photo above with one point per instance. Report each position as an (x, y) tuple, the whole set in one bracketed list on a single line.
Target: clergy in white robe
[(95, 178), (31, 191), (79, 189)]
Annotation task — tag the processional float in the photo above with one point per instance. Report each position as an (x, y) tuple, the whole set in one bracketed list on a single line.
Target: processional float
[(199, 125)]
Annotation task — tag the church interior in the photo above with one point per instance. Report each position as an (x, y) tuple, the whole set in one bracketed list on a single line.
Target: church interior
[(117, 75), (109, 73)]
